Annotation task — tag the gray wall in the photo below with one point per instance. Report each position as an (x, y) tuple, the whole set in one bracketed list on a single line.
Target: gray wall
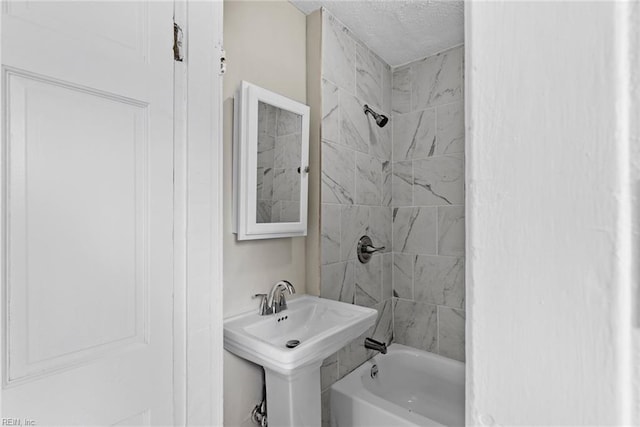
[(428, 204)]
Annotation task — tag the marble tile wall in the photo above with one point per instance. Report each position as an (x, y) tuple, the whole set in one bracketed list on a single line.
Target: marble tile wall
[(427, 185), (356, 158), (403, 185)]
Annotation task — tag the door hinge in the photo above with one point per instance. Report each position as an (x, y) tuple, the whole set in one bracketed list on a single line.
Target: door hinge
[(223, 61), (178, 50)]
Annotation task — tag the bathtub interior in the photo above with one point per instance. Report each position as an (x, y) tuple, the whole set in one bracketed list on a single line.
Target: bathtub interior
[(430, 386), (410, 383)]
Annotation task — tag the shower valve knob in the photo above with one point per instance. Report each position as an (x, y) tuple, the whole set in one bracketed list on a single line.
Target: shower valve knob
[(366, 249)]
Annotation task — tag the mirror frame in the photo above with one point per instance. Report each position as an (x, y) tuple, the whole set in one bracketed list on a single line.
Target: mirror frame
[(245, 164)]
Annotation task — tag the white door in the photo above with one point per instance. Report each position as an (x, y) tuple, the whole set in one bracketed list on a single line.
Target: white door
[(87, 206)]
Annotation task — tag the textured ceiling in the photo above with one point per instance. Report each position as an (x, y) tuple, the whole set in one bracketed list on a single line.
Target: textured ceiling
[(399, 31)]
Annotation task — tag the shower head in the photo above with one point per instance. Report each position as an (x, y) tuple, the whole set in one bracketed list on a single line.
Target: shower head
[(381, 119)]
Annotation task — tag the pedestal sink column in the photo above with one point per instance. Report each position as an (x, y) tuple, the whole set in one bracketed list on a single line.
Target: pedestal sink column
[(294, 400)]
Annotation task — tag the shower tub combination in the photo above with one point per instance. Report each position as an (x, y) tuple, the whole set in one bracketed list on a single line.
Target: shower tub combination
[(405, 387)]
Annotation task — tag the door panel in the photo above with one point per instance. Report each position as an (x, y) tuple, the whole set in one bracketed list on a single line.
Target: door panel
[(76, 224), (121, 32), (88, 213)]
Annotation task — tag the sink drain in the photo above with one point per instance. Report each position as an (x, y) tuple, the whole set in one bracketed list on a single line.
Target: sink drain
[(293, 343)]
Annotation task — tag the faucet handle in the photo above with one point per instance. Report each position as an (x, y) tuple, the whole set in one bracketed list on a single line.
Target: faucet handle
[(264, 309), (365, 249)]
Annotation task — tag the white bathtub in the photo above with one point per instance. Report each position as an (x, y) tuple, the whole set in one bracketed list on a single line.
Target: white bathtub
[(412, 388)]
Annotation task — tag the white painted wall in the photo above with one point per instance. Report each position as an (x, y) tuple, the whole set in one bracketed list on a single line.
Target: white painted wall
[(265, 43), (631, 87), (548, 212)]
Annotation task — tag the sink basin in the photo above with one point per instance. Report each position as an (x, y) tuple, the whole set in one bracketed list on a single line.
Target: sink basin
[(322, 326)]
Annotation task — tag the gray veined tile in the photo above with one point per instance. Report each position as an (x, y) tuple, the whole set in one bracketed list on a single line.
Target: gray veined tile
[(415, 324), (403, 275), (276, 208), (266, 119), (295, 191), (383, 328), (263, 121), (354, 354), (379, 227), (263, 211), (329, 371), (451, 230), (330, 219), (290, 211), (267, 184), (402, 184), (414, 230), (265, 141), (368, 180), (338, 281), (439, 280), (330, 112), (450, 130), (338, 174), (287, 151), (368, 77), (353, 225), (288, 122), (283, 184), (437, 79), (354, 124), (387, 276), (387, 194), (325, 403), (379, 140), (260, 183), (386, 89), (451, 324), (338, 53), (266, 151), (414, 135), (369, 282), (439, 181), (401, 87)]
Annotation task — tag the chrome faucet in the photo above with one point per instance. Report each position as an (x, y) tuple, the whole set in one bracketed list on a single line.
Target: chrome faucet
[(276, 301), (372, 344), (278, 292)]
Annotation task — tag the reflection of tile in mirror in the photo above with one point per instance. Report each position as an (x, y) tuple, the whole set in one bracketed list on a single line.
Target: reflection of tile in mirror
[(288, 122), (266, 119), (266, 150), (279, 157), (267, 184), (295, 196), (290, 212), (282, 184), (263, 211), (287, 151), (259, 183)]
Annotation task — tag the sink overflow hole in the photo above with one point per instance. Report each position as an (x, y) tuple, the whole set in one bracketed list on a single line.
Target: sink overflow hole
[(293, 343)]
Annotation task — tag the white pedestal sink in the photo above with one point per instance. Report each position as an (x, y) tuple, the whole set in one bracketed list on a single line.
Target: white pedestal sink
[(293, 374)]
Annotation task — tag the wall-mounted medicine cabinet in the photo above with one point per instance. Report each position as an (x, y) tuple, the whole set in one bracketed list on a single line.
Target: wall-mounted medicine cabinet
[(270, 164)]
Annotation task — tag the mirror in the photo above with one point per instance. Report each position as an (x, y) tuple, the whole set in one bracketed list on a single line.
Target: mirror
[(278, 169), (271, 147)]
